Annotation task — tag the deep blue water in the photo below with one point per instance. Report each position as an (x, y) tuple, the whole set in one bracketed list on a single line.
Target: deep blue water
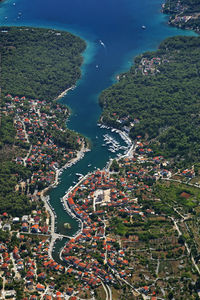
[(118, 24)]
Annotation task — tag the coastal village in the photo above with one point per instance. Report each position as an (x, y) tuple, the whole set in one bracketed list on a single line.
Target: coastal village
[(182, 16), (130, 237), (40, 129), (139, 216), (151, 66)]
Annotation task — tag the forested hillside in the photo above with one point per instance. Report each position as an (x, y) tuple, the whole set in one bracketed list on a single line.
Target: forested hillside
[(159, 98), (39, 63)]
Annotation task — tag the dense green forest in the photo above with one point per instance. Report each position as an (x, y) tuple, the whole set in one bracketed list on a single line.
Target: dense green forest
[(39, 63), (166, 104), (7, 131), (12, 202)]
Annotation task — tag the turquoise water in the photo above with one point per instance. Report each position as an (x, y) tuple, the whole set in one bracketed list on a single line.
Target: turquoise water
[(118, 24)]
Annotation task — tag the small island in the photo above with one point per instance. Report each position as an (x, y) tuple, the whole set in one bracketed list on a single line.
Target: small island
[(67, 226)]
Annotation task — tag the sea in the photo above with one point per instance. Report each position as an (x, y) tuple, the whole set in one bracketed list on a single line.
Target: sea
[(114, 35)]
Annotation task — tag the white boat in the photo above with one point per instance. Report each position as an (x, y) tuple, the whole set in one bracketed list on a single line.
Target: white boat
[(79, 174), (102, 43)]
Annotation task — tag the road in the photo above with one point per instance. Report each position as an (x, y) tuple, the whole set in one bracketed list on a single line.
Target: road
[(179, 181), (186, 246), (14, 265), (157, 268), (115, 273), (27, 155), (54, 237), (183, 219), (104, 236), (107, 290), (3, 288)]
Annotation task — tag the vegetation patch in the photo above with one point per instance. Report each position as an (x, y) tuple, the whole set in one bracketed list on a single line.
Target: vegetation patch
[(39, 63)]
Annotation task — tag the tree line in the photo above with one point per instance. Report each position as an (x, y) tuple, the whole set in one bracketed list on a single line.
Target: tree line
[(166, 104), (39, 63)]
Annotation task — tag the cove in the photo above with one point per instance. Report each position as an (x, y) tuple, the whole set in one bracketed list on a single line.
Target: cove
[(118, 24)]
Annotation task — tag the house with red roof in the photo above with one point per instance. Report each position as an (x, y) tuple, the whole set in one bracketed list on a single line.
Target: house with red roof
[(40, 287)]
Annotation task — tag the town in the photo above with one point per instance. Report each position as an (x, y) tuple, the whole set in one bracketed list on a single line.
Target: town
[(138, 221), (130, 228), (40, 129)]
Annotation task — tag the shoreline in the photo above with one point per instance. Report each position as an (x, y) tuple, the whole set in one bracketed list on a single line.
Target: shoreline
[(64, 93), (130, 151), (80, 154), (179, 25), (45, 199)]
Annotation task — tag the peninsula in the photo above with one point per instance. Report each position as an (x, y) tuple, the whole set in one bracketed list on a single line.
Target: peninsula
[(34, 140), (39, 63), (35, 145)]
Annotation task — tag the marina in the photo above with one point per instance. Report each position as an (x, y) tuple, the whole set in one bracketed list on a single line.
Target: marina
[(112, 144)]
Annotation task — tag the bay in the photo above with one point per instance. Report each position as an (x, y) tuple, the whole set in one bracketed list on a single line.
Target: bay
[(114, 35)]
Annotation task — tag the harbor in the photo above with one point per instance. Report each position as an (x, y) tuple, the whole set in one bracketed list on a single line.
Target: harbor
[(111, 143)]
